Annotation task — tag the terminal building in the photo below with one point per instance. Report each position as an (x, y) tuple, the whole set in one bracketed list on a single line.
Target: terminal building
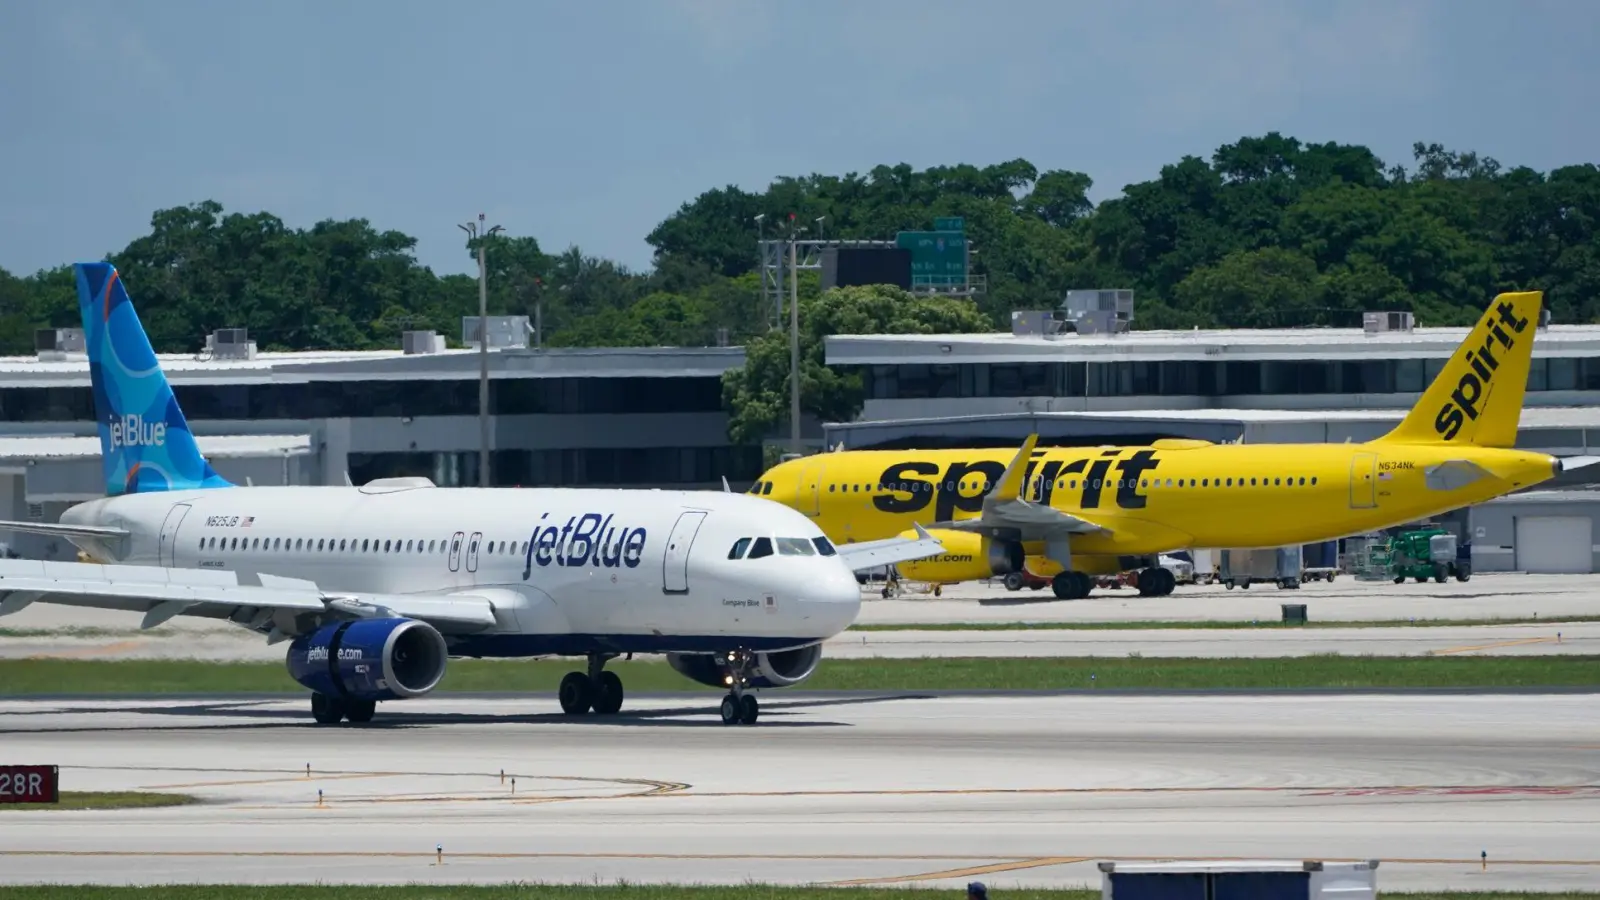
[(1101, 382), (633, 417)]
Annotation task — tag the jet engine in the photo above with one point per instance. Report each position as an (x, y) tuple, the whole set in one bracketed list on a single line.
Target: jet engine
[(370, 659), (966, 557), (785, 668)]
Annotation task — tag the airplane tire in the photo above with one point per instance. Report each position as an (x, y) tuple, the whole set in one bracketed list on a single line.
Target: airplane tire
[(1013, 581), (730, 710), (326, 710), (360, 712), (749, 710), (576, 694), (608, 697)]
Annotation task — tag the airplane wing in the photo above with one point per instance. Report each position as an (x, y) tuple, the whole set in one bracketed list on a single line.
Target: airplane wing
[(161, 593), (68, 531), (1006, 513), (870, 554)]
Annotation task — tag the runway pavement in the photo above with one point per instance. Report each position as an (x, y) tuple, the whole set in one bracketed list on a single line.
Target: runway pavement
[(1016, 790)]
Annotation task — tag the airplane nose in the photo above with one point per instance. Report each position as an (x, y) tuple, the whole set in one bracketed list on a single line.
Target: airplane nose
[(835, 601)]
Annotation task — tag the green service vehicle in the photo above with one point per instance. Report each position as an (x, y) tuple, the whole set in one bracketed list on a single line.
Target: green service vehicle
[(1424, 553)]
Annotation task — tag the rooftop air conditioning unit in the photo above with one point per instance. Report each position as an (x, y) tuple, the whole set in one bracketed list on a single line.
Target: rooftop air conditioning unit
[(505, 332), (54, 344), (231, 343), (417, 342), (1380, 322), (1099, 311)]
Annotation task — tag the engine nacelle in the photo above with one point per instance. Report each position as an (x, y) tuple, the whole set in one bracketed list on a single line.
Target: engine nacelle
[(785, 668), (966, 557), (370, 659)]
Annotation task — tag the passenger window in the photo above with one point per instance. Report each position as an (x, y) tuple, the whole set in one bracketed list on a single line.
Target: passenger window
[(824, 546), (739, 546), (761, 547), (1313, 480)]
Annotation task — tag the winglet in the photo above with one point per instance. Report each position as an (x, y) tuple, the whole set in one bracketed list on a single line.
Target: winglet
[(725, 488), (1011, 483)]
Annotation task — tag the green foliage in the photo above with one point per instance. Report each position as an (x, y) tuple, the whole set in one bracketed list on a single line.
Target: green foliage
[(1267, 232), (758, 394)]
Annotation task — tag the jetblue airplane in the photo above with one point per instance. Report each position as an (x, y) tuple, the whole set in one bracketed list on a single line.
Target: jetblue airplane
[(376, 586)]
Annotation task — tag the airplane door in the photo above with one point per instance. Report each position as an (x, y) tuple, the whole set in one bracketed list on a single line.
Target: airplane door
[(810, 487), (1364, 481), (455, 550), (675, 562), (472, 551), (169, 534)]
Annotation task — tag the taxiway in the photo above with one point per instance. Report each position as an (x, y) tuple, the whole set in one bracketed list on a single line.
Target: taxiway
[(892, 789)]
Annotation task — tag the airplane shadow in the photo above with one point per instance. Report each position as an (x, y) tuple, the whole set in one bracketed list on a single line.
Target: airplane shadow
[(774, 714)]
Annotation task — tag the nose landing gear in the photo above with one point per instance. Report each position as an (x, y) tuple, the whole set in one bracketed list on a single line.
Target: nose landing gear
[(740, 708)]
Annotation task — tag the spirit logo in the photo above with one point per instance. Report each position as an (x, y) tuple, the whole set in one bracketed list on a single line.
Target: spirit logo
[(1470, 389), (910, 486)]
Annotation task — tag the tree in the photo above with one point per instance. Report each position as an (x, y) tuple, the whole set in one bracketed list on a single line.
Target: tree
[(757, 396)]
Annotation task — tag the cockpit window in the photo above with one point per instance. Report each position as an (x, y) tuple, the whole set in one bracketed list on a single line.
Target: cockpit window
[(824, 547), (761, 547), (756, 488), (739, 546), (792, 546), (767, 489)]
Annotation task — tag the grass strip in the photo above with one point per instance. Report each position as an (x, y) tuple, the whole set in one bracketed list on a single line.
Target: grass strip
[(616, 892), (45, 677), (1141, 625), (104, 800)]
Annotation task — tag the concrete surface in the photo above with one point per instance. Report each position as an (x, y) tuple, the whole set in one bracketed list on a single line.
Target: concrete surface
[(1490, 596), (60, 631), (1016, 790)]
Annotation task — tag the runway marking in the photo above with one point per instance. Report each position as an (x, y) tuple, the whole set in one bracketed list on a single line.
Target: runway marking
[(1494, 646), (968, 872)]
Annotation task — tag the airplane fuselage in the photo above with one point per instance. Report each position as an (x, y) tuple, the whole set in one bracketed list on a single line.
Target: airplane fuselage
[(1169, 496), (569, 571)]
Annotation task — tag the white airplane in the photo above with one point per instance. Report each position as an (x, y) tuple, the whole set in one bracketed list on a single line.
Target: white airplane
[(376, 586)]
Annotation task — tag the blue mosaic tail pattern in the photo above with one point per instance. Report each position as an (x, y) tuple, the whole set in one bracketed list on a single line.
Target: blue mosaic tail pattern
[(145, 443)]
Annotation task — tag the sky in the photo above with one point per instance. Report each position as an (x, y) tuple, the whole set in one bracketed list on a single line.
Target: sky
[(588, 123)]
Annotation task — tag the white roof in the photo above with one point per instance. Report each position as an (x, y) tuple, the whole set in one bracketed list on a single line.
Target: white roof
[(1217, 345), (1532, 416), (222, 446), (378, 365)]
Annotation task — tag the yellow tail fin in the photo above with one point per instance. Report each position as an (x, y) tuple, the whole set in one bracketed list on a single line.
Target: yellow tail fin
[(1477, 397)]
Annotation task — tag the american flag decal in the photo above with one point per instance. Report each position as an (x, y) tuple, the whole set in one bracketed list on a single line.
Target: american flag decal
[(1383, 476), (247, 521)]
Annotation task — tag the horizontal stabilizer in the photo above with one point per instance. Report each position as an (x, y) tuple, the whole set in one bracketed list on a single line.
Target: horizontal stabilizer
[(162, 593), (67, 531), (870, 554), (1569, 463)]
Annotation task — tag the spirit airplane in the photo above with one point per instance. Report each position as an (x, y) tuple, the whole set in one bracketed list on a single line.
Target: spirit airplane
[(1075, 511), (375, 587)]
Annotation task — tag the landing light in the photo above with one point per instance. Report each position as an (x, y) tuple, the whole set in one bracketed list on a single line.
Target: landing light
[(727, 679)]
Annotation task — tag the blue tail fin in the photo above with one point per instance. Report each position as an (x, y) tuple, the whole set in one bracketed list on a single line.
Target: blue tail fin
[(145, 444)]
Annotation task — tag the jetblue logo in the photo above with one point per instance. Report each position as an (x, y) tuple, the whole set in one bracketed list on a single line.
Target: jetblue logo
[(132, 431), (586, 540), (320, 654), (1470, 390)]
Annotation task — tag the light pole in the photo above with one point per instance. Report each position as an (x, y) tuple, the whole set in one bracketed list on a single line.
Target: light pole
[(474, 231), (794, 347)]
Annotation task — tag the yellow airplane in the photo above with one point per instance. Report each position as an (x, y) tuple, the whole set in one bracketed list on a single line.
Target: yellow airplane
[(1070, 512)]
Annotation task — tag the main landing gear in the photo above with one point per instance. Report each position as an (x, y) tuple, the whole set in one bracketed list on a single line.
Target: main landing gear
[(598, 690), (1071, 585), (1156, 581), (740, 708), (328, 710)]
